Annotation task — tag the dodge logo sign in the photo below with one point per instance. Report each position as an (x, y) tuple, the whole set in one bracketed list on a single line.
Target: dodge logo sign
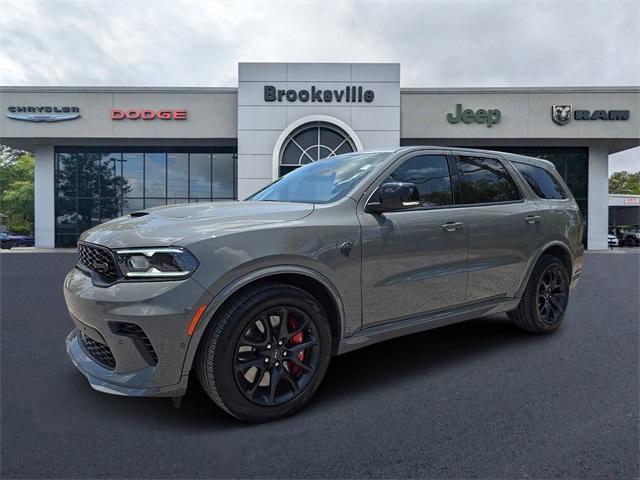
[(146, 114), (561, 114)]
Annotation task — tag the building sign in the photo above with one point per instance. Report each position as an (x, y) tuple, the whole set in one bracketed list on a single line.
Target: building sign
[(483, 116), (43, 113), (350, 94), (146, 114), (562, 114), (632, 201)]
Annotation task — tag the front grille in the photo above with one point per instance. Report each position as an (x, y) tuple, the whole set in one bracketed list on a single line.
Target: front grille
[(99, 260), (100, 352), (141, 341)]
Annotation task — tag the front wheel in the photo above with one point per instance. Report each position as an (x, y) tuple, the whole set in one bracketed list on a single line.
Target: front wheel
[(266, 353), (545, 298)]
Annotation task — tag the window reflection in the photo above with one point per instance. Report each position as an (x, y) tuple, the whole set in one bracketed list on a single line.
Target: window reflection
[(93, 185), (178, 175), (200, 175), (155, 174), (133, 171)]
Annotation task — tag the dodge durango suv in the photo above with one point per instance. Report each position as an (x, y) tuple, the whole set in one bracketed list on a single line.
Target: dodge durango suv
[(256, 296)]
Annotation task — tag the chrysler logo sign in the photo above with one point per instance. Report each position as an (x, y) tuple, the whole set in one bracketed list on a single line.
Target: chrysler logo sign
[(561, 114), (43, 113)]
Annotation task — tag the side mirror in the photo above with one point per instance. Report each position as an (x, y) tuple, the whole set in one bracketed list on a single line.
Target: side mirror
[(394, 196)]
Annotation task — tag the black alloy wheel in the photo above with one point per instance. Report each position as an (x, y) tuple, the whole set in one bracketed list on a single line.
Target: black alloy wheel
[(545, 297), (276, 356), (552, 295), (265, 352)]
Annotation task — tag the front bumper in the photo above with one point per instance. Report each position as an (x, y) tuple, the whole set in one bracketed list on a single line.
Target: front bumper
[(107, 346)]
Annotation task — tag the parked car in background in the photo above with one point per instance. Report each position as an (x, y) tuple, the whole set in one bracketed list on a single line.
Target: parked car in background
[(613, 240), (628, 236), (6, 242), (21, 240), (257, 296)]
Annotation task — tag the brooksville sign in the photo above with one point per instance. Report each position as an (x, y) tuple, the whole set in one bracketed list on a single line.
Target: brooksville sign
[(350, 94)]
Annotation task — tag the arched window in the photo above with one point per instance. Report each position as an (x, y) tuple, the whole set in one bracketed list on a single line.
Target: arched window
[(311, 142)]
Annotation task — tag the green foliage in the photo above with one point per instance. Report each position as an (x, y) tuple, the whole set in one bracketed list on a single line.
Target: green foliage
[(16, 190), (625, 183)]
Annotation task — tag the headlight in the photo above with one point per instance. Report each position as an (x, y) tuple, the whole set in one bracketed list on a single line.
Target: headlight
[(165, 262)]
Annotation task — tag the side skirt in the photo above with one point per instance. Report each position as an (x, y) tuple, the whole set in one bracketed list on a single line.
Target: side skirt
[(380, 333)]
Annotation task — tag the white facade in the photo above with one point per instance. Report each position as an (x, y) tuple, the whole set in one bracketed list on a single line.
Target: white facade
[(263, 126)]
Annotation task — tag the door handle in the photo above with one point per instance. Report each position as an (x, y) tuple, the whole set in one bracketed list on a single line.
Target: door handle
[(452, 226), (531, 219)]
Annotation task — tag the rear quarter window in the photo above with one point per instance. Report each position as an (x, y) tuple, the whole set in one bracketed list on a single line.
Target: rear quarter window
[(541, 181)]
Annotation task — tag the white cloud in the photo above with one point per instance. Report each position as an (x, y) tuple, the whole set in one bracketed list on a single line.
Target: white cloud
[(191, 43)]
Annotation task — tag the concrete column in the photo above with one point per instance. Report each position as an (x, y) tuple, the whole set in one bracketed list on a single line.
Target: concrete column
[(598, 202), (44, 197)]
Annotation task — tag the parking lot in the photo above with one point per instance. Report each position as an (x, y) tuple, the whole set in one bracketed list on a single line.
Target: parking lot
[(474, 400)]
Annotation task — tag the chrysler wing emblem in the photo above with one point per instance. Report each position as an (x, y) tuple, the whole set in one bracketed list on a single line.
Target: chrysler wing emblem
[(561, 114), (43, 117)]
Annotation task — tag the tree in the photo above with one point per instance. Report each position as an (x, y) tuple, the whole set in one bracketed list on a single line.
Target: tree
[(16, 189), (625, 183)]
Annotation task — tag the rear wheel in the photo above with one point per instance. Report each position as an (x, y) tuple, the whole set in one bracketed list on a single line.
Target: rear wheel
[(264, 356), (629, 242), (545, 298)]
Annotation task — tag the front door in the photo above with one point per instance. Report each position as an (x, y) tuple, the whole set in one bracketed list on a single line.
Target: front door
[(414, 261)]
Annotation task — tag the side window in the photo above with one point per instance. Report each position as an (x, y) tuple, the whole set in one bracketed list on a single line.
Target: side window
[(485, 180), (430, 173), (542, 182)]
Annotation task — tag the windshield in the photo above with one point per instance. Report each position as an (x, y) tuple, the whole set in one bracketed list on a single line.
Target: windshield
[(324, 181)]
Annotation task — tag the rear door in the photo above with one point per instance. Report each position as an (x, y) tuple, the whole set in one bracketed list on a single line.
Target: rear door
[(414, 261), (502, 226)]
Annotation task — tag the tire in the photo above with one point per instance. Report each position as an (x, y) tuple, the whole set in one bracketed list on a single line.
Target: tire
[(629, 242), (537, 299), (238, 337)]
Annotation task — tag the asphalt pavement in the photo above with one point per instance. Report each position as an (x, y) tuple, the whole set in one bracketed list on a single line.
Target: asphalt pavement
[(475, 400)]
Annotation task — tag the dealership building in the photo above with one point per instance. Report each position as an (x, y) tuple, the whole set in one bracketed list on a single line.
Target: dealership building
[(102, 152)]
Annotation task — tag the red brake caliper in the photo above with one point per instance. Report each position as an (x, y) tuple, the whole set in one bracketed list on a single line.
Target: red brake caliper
[(296, 340)]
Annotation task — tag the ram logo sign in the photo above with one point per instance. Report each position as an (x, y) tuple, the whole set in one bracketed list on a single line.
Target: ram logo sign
[(561, 114)]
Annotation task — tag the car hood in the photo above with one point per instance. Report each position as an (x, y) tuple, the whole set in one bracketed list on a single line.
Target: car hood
[(184, 224)]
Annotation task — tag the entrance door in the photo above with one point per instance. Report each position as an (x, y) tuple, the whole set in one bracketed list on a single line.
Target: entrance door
[(414, 261)]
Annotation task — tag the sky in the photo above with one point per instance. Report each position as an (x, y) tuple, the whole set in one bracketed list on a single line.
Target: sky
[(455, 43)]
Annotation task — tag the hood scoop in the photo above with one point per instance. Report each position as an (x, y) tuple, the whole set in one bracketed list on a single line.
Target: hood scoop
[(138, 214)]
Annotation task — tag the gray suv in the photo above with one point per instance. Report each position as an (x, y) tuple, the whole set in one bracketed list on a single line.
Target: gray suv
[(255, 297)]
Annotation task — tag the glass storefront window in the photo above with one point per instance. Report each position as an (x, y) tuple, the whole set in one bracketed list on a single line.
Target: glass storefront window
[(200, 175), (93, 185), (224, 166), (133, 173), (155, 174), (178, 175)]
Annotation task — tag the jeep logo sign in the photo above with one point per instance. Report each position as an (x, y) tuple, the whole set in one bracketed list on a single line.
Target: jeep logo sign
[(350, 94), (488, 117)]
